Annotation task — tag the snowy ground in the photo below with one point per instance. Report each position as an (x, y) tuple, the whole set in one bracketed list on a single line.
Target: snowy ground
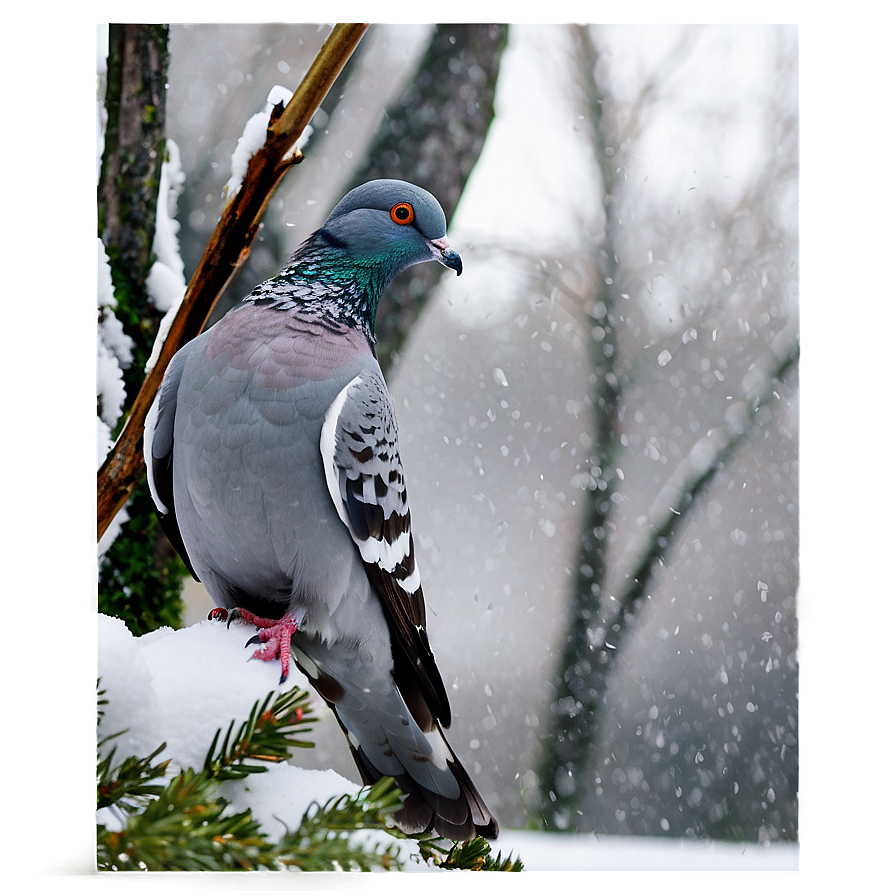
[(182, 686), (582, 852)]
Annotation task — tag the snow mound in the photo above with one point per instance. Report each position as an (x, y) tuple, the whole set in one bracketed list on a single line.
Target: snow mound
[(179, 687)]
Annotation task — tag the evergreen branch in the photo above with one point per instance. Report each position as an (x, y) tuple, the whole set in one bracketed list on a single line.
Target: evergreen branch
[(266, 736), (228, 248), (184, 825), (470, 855), (101, 701), (475, 855), (328, 837), (381, 799), (501, 864), (185, 829), (189, 828), (132, 783)]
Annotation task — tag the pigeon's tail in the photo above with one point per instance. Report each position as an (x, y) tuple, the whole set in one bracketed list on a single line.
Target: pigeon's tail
[(387, 739), (440, 796)]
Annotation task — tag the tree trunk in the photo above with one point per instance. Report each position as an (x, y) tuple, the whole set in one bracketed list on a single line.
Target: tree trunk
[(433, 136), (128, 190), (140, 576), (581, 683)]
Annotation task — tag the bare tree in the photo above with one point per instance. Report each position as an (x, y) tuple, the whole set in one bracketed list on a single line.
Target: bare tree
[(599, 622)]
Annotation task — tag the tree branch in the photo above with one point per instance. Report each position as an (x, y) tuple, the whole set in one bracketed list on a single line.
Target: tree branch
[(227, 249), (693, 476)]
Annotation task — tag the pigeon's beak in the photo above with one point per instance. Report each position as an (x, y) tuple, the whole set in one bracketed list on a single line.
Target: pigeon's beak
[(444, 255)]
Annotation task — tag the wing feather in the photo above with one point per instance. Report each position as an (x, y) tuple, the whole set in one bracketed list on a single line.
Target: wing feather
[(158, 452), (365, 477)]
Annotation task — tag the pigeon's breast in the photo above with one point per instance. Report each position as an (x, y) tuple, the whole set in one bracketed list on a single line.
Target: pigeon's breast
[(282, 349), (249, 485)]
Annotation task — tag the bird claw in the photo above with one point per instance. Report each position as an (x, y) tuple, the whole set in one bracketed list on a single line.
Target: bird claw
[(222, 614), (274, 634)]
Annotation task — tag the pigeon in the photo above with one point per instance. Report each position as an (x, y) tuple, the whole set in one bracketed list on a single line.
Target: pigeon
[(272, 457)]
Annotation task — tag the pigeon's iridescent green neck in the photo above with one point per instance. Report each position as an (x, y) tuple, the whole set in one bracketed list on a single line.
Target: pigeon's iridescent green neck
[(326, 280)]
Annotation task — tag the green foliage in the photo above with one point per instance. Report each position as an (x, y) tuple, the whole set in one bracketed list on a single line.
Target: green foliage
[(475, 855), (186, 828), (130, 785), (184, 824), (324, 840), (266, 736), (471, 855), (101, 701), (141, 577)]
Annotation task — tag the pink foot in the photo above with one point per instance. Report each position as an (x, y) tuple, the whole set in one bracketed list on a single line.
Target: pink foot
[(275, 634)]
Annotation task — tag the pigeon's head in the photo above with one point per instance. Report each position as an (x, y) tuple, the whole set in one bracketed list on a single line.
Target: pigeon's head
[(390, 224)]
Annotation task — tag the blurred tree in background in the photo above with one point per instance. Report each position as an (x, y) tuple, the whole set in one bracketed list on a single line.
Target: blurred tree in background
[(599, 621)]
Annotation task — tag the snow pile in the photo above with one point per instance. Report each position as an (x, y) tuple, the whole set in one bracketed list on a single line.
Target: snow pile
[(114, 354), (253, 137), (180, 687), (168, 270), (175, 686)]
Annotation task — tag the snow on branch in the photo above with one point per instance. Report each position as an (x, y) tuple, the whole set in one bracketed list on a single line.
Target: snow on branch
[(253, 138)]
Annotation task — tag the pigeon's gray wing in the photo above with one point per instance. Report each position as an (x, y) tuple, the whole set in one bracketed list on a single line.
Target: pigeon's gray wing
[(158, 451), (359, 446)]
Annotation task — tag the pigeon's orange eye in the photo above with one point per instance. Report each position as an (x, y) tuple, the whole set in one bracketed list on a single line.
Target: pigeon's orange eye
[(402, 213)]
